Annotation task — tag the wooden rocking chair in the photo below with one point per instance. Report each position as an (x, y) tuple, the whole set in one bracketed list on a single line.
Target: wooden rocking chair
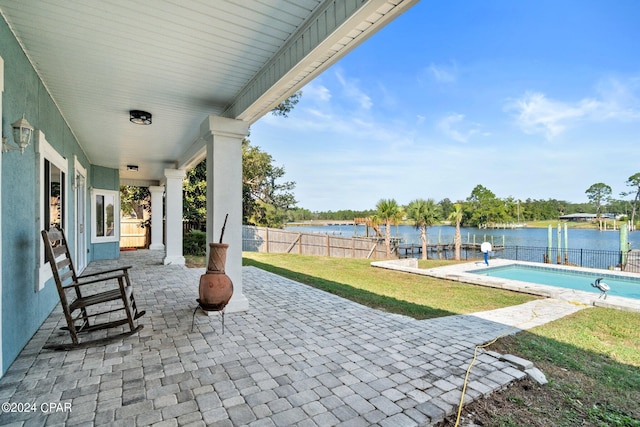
[(81, 301)]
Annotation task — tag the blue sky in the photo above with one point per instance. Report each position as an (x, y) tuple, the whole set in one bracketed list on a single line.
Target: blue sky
[(531, 99)]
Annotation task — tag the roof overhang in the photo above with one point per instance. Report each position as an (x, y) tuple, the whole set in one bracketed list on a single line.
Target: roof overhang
[(182, 62)]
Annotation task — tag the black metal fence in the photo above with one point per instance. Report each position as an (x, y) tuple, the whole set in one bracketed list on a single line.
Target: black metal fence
[(591, 258)]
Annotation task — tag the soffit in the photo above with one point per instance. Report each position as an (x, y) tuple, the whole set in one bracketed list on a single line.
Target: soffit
[(181, 60)]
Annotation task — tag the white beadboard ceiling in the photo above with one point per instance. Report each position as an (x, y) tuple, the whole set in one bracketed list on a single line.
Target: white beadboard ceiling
[(180, 60)]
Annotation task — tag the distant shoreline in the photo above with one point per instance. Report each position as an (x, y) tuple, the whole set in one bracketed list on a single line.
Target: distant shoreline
[(530, 224), (318, 222)]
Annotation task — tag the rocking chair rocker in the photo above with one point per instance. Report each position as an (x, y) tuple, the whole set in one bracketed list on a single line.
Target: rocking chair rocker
[(80, 301)]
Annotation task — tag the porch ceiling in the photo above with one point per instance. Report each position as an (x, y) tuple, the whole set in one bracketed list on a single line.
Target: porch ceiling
[(180, 60)]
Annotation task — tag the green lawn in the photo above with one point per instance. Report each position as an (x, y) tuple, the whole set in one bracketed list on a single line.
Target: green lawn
[(420, 297), (592, 361)]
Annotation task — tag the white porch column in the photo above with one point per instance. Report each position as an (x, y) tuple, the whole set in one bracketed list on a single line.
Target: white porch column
[(157, 214), (174, 179), (224, 195), (1, 241)]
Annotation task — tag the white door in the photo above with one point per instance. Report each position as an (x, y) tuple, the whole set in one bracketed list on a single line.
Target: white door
[(81, 207)]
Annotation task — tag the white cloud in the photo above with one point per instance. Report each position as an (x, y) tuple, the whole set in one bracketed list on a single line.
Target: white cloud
[(317, 92), (388, 98), (536, 113), (332, 122), (620, 99), (443, 73), (353, 92), (317, 115), (327, 108), (457, 128)]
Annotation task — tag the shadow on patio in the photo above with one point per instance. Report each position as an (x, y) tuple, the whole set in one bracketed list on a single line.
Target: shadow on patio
[(299, 356)]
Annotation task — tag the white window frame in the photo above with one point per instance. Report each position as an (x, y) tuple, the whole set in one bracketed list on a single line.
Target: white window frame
[(80, 174), (47, 152), (116, 216)]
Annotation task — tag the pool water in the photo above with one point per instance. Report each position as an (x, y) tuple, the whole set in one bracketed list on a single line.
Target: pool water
[(573, 279)]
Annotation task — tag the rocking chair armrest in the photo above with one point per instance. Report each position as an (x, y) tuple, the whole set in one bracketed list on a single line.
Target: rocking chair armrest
[(123, 269), (101, 279)]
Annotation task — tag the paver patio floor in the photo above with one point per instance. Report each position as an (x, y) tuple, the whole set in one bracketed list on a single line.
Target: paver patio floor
[(299, 356)]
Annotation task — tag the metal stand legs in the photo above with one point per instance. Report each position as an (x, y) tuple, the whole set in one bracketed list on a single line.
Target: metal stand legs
[(193, 319)]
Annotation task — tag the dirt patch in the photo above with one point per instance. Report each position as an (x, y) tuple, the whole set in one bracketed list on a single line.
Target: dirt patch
[(518, 404), (569, 399)]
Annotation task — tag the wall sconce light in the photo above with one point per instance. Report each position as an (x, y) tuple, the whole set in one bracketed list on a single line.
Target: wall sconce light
[(78, 182), (140, 117), (22, 132)]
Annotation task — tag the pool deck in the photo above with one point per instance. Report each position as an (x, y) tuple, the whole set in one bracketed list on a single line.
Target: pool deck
[(462, 273)]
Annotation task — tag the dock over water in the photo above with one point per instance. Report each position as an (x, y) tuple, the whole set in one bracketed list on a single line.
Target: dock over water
[(411, 250)]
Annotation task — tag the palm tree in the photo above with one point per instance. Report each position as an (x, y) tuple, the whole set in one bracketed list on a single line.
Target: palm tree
[(374, 222), (401, 215), (424, 213), (456, 216), (387, 211)]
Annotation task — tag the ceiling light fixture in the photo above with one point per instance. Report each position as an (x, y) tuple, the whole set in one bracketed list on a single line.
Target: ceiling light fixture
[(133, 168), (140, 117)]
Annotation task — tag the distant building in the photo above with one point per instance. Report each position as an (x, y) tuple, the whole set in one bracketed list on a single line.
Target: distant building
[(587, 217), (578, 217)]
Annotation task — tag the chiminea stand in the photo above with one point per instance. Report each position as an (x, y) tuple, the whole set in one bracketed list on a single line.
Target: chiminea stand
[(208, 308)]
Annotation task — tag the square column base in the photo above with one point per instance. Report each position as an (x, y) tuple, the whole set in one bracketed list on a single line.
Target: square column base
[(237, 303), (174, 260)]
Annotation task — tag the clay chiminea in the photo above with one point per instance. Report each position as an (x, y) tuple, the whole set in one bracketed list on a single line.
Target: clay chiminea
[(216, 287)]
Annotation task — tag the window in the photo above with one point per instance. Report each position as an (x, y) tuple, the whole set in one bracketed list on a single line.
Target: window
[(105, 208), (54, 196), (53, 174)]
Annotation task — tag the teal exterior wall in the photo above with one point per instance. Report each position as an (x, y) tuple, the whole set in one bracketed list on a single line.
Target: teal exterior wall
[(24, 308), (105, 179)]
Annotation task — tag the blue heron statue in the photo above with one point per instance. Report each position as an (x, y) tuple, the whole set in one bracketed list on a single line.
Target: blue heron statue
[(603, 287)]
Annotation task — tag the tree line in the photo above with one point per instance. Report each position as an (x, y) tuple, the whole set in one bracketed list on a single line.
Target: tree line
[(483, 208), (269, 201)]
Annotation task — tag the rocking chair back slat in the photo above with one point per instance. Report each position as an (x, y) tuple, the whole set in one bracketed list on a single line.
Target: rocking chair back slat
[(65, 263), (66, 276), (81, 302), (60, 250), (55, 234)]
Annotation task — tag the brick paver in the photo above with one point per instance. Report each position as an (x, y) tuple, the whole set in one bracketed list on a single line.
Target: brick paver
[(299, 356)]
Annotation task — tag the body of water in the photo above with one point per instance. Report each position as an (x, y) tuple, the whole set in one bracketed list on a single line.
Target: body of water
[(533, 237)]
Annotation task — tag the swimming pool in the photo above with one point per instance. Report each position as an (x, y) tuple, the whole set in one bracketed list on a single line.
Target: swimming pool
[(564, 278)]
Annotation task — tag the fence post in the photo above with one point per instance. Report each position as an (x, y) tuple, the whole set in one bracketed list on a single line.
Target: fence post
[(266, 239), (580, 257), (559, 255), (328, 247), (374, 248), (621, 259)]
